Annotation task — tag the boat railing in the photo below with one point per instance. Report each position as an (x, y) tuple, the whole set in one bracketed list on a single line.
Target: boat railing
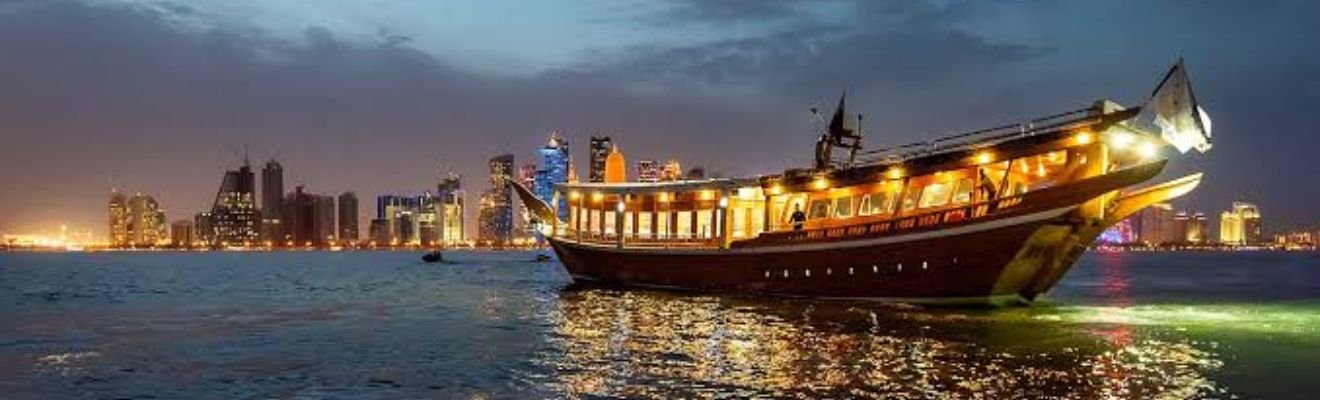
[(974, 139)]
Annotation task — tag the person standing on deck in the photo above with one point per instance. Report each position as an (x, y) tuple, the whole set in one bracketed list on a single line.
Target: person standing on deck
[(798, 218)]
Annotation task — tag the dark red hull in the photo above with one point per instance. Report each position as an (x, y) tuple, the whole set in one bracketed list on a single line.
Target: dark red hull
[(975, 266)]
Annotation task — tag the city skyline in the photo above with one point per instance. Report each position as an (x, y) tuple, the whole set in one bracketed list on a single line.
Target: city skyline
[(139, 123)]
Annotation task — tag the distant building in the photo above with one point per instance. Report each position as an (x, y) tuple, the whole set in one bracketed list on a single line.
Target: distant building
[(556, 162), (234, 216), (379, 231), (673, 171), (616, 168), (205, 233), (449, 196), (348, 217), (600, 148), (272, 203), (311, 218), (1240, 225), (119, 220), (1155, 225), (1196, 230), (182, 234), (495, 218), (147, 226), (398, 213), (648, 171), (696, 173), (428, 220)]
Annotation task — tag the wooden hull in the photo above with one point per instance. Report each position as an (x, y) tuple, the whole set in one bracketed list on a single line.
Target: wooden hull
[(973, 266)]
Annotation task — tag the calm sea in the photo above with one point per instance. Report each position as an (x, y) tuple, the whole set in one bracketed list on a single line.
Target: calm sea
[(496, 325)]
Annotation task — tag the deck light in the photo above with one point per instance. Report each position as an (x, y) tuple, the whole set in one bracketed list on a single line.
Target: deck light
[(663, 197), (1084, 137), (707, 195), (984, 157), (574, 195), (821, 183), (596, 197), (724, 202), (895, 172), (619, 206), (776, 189)]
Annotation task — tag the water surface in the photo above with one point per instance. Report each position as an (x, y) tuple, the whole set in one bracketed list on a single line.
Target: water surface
[(495, 325)]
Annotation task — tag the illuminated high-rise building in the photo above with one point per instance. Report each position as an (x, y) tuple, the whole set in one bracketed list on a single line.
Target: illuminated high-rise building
[(310, 218), (205, 233), (1154, 225), (1178, 231), (648, 171), (556, 161), (119, 220), (600, 148), (450, 194), (234, 217), (1240, 225), (348, 217), (673, 171), (147, 226), (495, 219), (399, 216), (616, 168), (272, 203), (428, 220)]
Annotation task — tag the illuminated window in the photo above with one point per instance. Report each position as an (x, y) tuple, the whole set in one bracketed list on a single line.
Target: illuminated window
[(628, 224), (684, 224), (704, 227), (910, 199), (935, 195), (662, 225), (644, 225), (739, 220), (882, 202), (594, 220), (608, 222), (843, 207), (962, 191), (819, 209), (864, 206)]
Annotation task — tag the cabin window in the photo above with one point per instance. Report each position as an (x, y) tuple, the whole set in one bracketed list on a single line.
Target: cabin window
[(608, 221), (644, 225), (935, 195), (705, 228), (628, 224), (573, 217), (819, 209), (843, 207), (962, 191), (910, 199), (662, 224), (882, 202), (594, 218), (864, 207), (684, 224), (739, 219)]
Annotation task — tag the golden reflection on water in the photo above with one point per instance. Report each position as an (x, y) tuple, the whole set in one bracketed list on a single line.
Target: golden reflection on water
[(652, 344)]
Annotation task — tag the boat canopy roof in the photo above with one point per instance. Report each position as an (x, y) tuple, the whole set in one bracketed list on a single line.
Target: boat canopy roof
[(661, 187)]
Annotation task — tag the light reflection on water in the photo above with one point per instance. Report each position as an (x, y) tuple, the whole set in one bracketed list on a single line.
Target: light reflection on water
[(364, 325), (649, 344)]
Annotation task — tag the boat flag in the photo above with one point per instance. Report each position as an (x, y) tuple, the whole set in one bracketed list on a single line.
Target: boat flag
[(1173, 112)]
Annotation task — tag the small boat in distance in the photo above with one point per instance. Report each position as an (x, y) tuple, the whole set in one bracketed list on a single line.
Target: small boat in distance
[(990, 216), (433, 257)]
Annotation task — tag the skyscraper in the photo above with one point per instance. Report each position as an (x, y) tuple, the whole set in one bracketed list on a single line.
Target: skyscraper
[(147, 226), (555, 162), (272, 203), (616, 168), (496, 216), (600, 149), (119, 219), (1155, 225), (234, 214), (1240, 225), (348, 217), (648, 171), (450, 194), (398, 213), (1196, 232), (311, 218), (205, 233)]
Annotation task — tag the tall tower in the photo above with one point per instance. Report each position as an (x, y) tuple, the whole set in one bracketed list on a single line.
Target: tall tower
[(234, 213), (600, 149), (348, 217), (555, 165), (119, 219), (496, 219), (272, 203), (449, 193)]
